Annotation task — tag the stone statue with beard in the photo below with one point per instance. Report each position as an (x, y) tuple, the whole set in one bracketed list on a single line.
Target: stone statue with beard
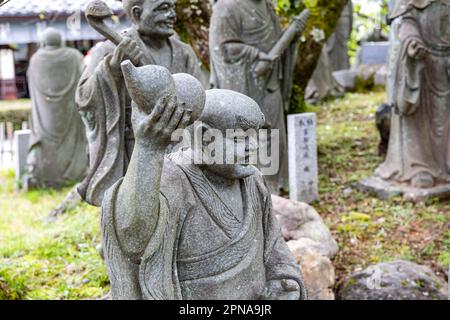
[(103, 99)]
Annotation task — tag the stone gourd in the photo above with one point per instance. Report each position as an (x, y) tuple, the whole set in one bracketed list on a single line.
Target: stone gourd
[(147, 84)]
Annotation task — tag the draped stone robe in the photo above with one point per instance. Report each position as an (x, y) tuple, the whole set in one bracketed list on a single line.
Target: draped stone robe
[(420, 128), (337, 44), (200, 250), (106, 109), (58, 150), (238, 32)]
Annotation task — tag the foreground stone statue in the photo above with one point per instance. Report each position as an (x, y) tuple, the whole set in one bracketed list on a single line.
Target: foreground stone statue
[(242, 36), (418, 154), (103, 99), (195, 231), (58, 149)]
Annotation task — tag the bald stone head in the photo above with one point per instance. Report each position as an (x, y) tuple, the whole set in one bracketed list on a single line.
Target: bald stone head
[(226, 109), (51, 38), (230, 110)]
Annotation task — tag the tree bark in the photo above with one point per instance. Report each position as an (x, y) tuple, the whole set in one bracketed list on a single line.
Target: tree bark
[(193, 17), (324, 18)]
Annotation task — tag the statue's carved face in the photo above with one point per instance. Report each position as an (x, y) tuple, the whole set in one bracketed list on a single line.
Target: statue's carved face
[(155, 18)]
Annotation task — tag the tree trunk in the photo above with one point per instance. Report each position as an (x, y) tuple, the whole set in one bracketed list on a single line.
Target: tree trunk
[(321, 25), (193, 18)]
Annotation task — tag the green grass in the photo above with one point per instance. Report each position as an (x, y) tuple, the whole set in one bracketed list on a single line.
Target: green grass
[(47, 260), (370, 230), (41, 260)]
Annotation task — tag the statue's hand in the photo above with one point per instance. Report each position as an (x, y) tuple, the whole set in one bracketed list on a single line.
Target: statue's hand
[(286, 289), (156, 129), (416, 50), (127, 49), (264, 64)]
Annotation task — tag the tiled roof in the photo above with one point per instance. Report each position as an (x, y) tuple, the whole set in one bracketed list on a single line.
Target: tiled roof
[(18, 8)]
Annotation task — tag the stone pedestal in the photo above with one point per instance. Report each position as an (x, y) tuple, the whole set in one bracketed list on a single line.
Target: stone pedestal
[(303, 168), (386, 190)]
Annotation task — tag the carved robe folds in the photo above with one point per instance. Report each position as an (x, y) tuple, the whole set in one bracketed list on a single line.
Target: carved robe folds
[(420, 129), (199, 249)]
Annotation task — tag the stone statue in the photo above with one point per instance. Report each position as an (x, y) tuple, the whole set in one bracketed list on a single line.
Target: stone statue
[(243, 37), (194, 231), (337, 45), (322, 83), (418, 153), (103, 99), (58, 149)]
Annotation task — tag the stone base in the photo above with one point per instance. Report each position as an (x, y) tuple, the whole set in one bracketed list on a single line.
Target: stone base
[(385, 190)]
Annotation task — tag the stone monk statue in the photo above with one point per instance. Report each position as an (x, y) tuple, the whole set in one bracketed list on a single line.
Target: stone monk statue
[(103, 99), (173, 229), (419, 145), (337, 44), (57, 153), (242, 34)]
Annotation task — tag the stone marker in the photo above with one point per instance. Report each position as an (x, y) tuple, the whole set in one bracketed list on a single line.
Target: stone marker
[(21, 144), (418, 157), (303, 168), (374, 53)]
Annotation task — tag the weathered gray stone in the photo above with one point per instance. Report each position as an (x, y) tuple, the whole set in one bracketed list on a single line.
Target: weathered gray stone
[(57, 148), (104, 101), (418, 155), (300, 221), (322, 83), (21, 143), (386, 190), (303, 167), (251, 54), (197, 231), (381, 76), (374, 53), (346, 79), (317, 269), (397, 280), (311, 243)]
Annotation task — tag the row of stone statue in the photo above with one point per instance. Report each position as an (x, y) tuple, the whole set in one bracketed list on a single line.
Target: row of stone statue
[(56, 154), (174, 229)]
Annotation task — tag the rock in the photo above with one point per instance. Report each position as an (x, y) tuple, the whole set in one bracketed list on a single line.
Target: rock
[(311, 243), (346, 79), (317, 269), (397, 280), (365, 75), (381, 75), (299, 220)]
